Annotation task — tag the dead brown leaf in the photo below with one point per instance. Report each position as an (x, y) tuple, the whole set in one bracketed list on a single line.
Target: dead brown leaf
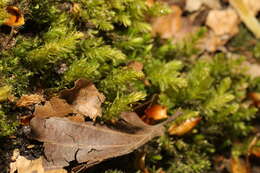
[(84, 98), (253, 69), (56, 107), (192, 5), (77, 118), (195, 5), (223, 25), (223, 22), (65, 140), (211, 42), (22, 165), (173, 25), (27, 100)]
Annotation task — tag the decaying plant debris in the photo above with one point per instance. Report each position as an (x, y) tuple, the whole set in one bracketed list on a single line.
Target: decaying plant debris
[(65, 140), (95, 86), (85, 99)]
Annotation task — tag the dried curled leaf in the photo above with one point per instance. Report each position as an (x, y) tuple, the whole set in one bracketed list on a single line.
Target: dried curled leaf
[(252, 69), (184, 127), (16, 17), (22, 165), (65, 140), (27, 100), (211, 42), (247, 16), (84, 98), (56, 107), (223, 22), (224, 25), (77, 118), (192, 5), (173, 25)]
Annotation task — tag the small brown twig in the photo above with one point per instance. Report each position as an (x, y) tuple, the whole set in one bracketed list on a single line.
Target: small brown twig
[(11, 35)]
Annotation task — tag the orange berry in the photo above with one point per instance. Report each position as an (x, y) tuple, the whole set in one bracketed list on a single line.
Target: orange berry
[(156, 112), (255, 97)]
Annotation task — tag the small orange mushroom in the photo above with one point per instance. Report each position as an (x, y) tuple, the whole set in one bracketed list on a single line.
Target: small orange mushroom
[(16, 17)]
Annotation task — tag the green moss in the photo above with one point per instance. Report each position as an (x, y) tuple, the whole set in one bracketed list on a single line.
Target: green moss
[(94, 48), (119, 81), (54, 51), (3, 14), (14, 74), (7, 127), (59, 44), (4, 92), (122, 104), (256, 51), (83, 69), (166, 75), (242, 39), (187, 114)]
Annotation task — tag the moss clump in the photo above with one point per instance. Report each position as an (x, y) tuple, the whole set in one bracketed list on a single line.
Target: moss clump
[(63, 41), (4, 92), (7, 127), (3, 13)]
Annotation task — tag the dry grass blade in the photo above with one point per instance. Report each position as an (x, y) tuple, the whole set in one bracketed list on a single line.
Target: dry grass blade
[(247, 16)]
